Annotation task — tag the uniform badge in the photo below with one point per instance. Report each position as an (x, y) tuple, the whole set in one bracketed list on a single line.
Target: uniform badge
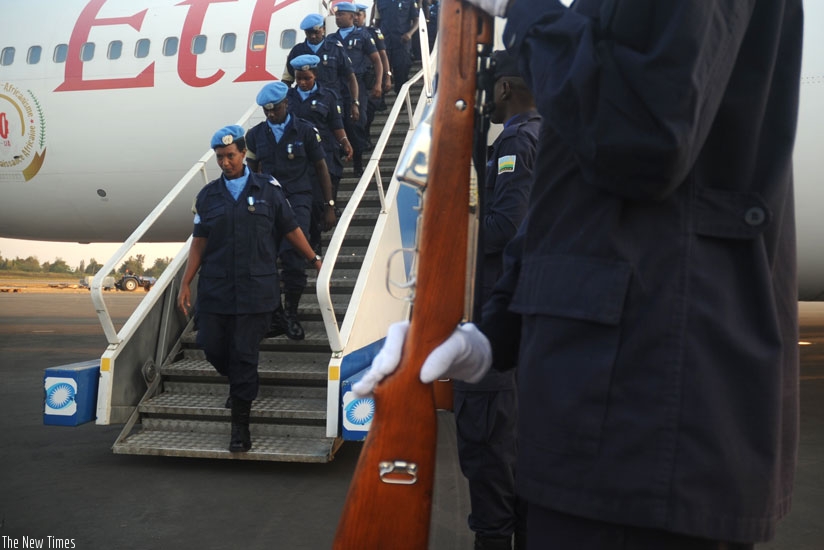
[(506, 164), (325, 59), (289, 154), (227, 140), (251, 201)]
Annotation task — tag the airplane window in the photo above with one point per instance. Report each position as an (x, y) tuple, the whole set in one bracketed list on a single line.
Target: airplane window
[(61, 51), (258, 41), (141, 49), (115, 49), (7, 56), (33, 57), (227, 42), (87, 51), (288, 39), (199, 44), (170, 46)]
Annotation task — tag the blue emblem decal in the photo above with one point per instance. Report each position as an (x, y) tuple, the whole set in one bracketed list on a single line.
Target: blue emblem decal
[(360, 411), (60, 395)]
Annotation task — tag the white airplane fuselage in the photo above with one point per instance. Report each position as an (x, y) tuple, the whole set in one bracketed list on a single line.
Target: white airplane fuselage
[(88, 148)]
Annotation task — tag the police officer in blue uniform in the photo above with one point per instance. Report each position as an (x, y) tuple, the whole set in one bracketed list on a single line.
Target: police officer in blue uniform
[(486, 412), (239, 220), (287, 147), (334, 70), (319, 106), (361, 50), (398, 19), (651, 299), (374, 104)]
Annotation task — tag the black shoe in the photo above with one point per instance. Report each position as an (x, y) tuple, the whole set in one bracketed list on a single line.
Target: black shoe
[(485, 542), (228, 404)]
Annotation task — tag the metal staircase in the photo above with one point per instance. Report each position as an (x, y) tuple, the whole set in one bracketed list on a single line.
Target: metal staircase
[(183, 413)]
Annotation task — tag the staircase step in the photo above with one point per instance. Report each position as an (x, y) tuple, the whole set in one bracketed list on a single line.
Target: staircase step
[(296, 409), (273, 366), (210, 439)]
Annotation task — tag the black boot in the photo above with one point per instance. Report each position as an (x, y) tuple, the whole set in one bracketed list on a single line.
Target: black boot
[(357, 164), (290, 304), (280, 325), (241, 440)]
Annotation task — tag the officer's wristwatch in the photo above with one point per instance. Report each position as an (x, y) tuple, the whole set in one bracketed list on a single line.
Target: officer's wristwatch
[(356, 102), (317, 258), (330, 202)]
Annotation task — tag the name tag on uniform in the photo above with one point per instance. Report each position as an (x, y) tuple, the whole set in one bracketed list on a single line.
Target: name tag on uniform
[(506, 164)]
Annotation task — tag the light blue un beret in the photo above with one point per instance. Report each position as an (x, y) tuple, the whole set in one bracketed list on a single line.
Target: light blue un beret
[(312, 21), (362, 7), (227, 135), (273, 93), (305, 62), (346, 6)]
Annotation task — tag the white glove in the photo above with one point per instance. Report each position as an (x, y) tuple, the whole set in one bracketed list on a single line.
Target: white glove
[(492, 7), (466, 355)]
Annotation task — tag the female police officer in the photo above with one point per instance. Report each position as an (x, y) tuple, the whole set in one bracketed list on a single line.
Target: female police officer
[(320, 106), (239, 220)]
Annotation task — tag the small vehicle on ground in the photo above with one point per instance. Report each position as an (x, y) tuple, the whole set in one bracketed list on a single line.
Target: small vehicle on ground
[(131, 282)]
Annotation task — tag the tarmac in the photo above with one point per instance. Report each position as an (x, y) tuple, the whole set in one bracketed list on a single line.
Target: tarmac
[(65, 483)]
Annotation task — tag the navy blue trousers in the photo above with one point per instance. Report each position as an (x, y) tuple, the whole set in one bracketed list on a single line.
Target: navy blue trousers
[(292, 262), (232, 345)]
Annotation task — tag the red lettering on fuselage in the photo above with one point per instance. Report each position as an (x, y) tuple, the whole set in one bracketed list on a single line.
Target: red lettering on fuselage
[(256, 60), (255, 70), (73, 80), (186, 60)]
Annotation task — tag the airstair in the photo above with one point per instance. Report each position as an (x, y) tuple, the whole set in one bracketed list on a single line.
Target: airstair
[(155, 380)]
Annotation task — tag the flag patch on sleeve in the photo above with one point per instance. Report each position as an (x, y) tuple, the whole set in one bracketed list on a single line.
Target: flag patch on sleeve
[(506, 164)]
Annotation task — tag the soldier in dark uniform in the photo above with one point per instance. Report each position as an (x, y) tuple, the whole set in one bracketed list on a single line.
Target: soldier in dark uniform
[(374, 104), (319, 106), (651, 299), (334, 70), (398, 19), (361, 50), (287, 147), (239, 220), (486, 413)]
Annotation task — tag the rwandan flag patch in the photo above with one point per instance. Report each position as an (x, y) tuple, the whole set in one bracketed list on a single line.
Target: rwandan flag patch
[(506, 164)]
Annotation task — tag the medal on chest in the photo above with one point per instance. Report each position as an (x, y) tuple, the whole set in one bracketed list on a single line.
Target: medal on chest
[(251, 202), (290, 152)]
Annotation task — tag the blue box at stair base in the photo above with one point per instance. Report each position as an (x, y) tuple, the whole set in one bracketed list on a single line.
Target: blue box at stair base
[(71, 393)]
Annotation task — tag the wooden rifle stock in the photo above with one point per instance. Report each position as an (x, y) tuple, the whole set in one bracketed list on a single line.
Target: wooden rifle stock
[(389, 503)]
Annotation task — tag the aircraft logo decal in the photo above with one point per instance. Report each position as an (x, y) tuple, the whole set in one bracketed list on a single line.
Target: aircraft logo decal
[(22, 134)]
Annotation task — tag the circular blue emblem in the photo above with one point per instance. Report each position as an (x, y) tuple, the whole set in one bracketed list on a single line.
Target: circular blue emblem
[(60, 395), (360, 411)]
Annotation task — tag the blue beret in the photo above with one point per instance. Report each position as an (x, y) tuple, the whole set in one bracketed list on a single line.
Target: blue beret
[(312, 21), (362, 7), (274, 92), (345, 6), (227, 135), (305, 62)]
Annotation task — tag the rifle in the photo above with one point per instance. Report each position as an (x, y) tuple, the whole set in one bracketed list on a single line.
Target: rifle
[(389, 502)]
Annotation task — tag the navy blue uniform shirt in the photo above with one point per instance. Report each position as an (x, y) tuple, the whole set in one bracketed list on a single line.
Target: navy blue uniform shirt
[(396, 16), (358, 45), (238, 273), (290, 158), (334, 67), (323, 111), (656, 293)]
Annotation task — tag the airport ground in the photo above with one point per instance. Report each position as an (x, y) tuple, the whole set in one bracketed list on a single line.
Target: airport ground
[(64, 482)]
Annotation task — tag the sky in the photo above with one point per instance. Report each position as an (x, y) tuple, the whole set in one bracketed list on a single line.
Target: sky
[(72, 253)]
